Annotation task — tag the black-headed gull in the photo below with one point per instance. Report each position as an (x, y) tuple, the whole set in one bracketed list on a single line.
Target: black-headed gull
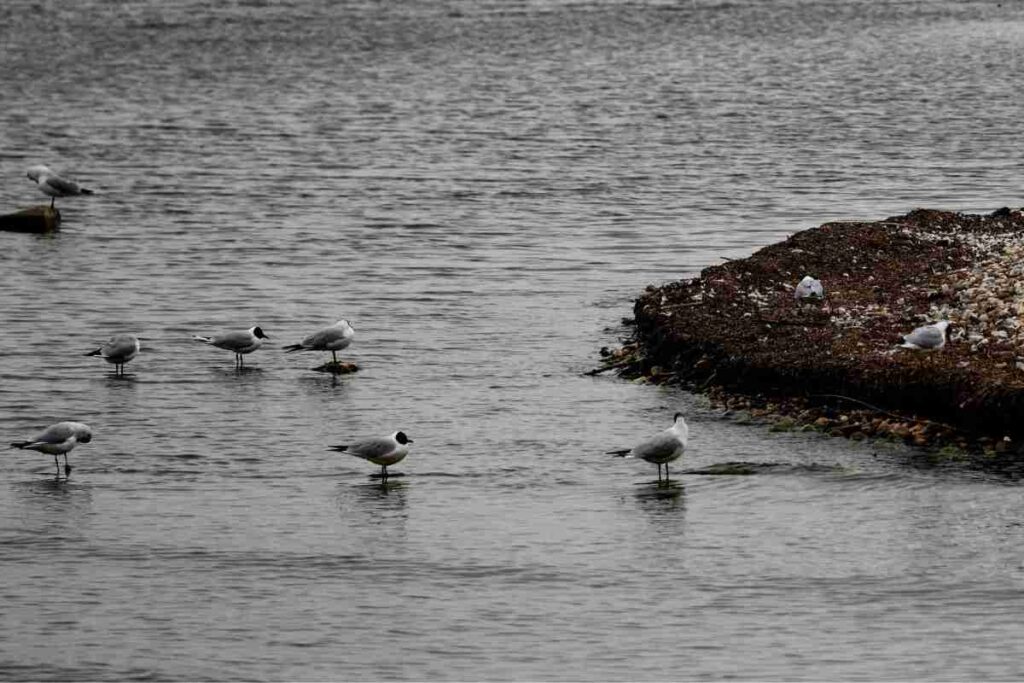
[(928, 337), (663, 448), (334, 338), (53, 185), (118, 350), (381, 451), (240, 343), (58, 439)]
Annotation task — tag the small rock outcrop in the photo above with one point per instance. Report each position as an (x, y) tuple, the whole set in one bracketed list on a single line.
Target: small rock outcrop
[(738, 330)]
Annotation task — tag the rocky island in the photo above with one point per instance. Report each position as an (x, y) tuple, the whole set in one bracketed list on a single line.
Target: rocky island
[(738, 333)]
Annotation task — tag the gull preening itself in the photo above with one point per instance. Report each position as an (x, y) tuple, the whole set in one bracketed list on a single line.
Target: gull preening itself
[(53, 185), (663, 448), (118, 350), (928, 337), (809, 288), (240, 343), (58, 439), (380, 451), (334, 338)]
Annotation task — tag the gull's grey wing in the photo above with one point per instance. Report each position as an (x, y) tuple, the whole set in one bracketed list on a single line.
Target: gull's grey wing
[(321, 338), (926, 337), (121, 346), (63, 185), (661, 446), (233, 340), (371, 448), (57, 433)]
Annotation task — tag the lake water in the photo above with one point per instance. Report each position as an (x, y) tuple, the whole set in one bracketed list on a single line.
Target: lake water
[(482, 189)]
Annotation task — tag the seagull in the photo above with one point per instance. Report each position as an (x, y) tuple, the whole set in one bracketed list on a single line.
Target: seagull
[(809, 288), (663, 448), (53, 185), (380, 451), (334, 338), (118, 350), (239, 342), (927, 337), (58, 439)]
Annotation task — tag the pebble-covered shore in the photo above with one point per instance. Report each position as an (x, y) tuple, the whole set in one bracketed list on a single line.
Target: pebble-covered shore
[(737, 334)]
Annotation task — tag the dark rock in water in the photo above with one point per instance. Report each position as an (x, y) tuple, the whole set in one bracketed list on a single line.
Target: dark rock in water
[(737, 330), (35, 219), (339, 368), (749, 468)]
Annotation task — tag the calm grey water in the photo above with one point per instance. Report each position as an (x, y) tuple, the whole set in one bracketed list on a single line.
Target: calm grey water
[(482, 189)]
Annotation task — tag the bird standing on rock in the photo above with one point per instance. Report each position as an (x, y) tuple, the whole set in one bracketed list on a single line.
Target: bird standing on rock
[(928, 337), (53, 185), (58, 439), (334, 338), (663, 448)]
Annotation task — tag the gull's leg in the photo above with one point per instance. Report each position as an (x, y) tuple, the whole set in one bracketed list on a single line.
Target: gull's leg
[(383, 473), (67, 467), (666, 472), (335, 357), (56, 462), (51, 201)]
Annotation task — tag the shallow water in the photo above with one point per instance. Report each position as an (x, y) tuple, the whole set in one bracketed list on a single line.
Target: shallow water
[(482, 189)]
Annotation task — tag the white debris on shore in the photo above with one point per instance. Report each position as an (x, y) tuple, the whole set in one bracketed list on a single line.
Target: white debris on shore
[(985, 302)]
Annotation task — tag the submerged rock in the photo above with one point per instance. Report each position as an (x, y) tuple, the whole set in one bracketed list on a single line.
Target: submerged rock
[(339, 368), (39, 219)]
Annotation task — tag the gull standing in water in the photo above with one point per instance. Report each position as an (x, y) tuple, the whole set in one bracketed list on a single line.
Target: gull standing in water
[(334, 338), (380, 451), (53, 185), (58, 439), (663, 448), (118, 350), (927, 337), (238, 342)]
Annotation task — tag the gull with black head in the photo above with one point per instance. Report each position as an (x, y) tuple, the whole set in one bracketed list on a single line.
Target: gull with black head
[(240, 343), (381, 451)]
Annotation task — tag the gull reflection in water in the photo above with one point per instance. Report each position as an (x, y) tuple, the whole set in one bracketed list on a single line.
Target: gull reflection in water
[(47, 505), (376, 503), (661, 498)]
